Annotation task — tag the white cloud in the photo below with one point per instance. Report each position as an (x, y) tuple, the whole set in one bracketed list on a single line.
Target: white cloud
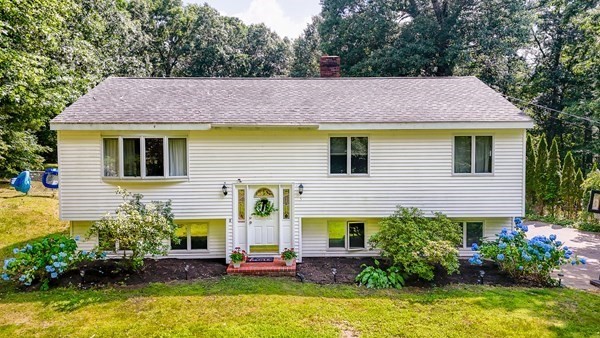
[(271, 14)]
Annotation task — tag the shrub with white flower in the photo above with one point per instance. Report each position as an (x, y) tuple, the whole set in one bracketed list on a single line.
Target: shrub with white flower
[(44, 260), (533, 259), (140, 228)]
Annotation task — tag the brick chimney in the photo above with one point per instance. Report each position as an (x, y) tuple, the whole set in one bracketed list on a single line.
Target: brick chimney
[(330, 66)]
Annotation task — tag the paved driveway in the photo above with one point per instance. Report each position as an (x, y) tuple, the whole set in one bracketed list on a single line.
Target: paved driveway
[(584, 244)]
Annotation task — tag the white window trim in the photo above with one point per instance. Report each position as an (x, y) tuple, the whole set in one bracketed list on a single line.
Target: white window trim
[(463, 224), (143, 177), (348, 156), (473, 155), (347, 247), (188, 226)]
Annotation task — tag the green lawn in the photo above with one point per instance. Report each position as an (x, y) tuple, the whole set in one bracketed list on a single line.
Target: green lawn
[(247, 306)]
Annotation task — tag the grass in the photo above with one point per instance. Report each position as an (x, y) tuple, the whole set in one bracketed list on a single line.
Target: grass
[(260, 307), (23, 219)]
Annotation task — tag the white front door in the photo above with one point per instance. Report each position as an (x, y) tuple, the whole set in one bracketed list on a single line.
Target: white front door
[(263, 229)]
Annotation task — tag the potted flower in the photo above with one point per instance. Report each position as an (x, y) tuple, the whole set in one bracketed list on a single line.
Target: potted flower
[(288, 256), (237, 257)]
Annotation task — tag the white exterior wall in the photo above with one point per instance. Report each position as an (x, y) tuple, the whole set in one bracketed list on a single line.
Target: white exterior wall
[(409, 168), (315, 236), (215, 240)]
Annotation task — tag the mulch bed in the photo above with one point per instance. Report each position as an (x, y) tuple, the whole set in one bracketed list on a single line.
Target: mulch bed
[(100, 274), (320, 270), (110, 272)]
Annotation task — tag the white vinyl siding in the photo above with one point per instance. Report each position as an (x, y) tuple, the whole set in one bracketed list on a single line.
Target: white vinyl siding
[(315, 236), (215, 241), (409, 168)]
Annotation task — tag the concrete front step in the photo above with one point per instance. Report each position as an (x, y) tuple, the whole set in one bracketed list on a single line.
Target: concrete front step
[(275, 268)]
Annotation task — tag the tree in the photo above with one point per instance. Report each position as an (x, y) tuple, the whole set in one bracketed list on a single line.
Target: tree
[(552, 188), (564, 57), (568, 186), (530, 174), (580, 190), (142, 228), (416, 244), (307, 51), (541, 170)]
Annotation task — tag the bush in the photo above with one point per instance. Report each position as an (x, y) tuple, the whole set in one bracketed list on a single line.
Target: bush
[(374, 277), (142, 229), (532, 259), (44, 260), (416, 244)]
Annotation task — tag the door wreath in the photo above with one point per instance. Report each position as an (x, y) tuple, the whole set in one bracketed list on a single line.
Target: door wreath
[(263, 208)]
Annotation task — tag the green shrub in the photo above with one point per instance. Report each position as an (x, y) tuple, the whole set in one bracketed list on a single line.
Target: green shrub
[(43, 260), (589, 226), (416, 244), (142, 228), (374, 277), (531, 259)]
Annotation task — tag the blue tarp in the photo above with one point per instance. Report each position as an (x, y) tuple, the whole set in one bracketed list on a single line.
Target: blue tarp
[(22, 183)]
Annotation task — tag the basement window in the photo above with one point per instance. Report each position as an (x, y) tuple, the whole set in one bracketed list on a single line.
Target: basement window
[(144, 157), (346, 235), (472, 232), (192, 236)]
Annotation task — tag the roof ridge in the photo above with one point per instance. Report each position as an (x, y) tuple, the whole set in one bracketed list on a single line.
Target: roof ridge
[(298, 78)]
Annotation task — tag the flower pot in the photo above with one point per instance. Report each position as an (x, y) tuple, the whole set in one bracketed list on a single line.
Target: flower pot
[(289, 262), (237, 264)]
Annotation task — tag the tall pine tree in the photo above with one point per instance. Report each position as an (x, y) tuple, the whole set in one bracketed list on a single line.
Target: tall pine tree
[(530, 173), (552, 192), (541, 170), (568, 189)]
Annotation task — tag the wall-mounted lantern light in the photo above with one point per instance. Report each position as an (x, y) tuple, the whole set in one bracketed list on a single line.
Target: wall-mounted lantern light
[(224, 188), (301, 189)]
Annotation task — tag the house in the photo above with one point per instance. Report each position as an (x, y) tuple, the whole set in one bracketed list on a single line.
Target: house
[(324, 158)]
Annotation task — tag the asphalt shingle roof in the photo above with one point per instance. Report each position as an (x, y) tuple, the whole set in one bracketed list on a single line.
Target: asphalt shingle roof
[(260, 101)]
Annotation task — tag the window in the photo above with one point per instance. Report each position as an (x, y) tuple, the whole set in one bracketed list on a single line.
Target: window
[(263, 193), (131, 157), (356, 235), (349, 155), (467, 161), (155, 157), (349, 235), (286, 203), (472, 233), (111, 157), (192, 237), (337, 234), (144, 157), (241, 205), (177, 157)]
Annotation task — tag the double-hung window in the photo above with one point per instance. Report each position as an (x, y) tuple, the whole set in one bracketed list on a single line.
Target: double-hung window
[(349, 155), (346, 235), (472, 232), (144, 157), (473, 154)]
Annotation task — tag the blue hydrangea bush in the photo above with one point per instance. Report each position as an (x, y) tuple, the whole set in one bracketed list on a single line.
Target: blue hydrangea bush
[(522, 258), (45, 260)]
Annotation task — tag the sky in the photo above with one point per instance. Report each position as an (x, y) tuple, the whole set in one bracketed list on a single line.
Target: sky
[(286, 17)]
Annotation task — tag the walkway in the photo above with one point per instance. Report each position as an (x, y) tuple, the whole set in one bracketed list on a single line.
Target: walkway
[(584, 244)]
